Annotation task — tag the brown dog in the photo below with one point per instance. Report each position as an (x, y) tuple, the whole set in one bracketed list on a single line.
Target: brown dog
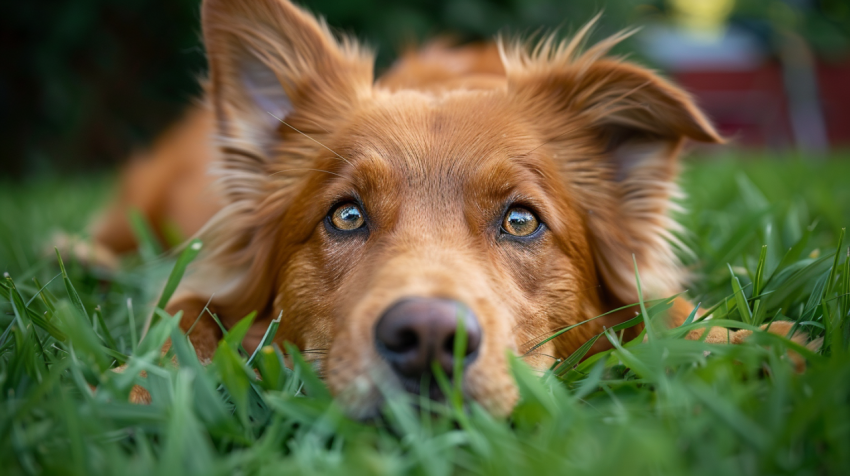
[(505, 186)]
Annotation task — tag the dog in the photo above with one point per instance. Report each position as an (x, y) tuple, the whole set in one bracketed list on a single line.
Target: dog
[(505, 186)]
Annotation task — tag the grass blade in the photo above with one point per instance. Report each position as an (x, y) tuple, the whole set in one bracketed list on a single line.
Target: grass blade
[(186, 257), (149, 246), (650, 332), (312, 384), (41, 293), (830, 282), (268, 338), (844, 317), (758, 281), (69, 287), (459, 353), (740, 299), (105, 330), (692, 315)]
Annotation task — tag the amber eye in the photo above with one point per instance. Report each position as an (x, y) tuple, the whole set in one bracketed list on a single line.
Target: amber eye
[(347, 217), (520, 222)]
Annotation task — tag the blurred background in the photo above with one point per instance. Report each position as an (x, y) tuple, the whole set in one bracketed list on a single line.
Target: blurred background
[(86, 82)]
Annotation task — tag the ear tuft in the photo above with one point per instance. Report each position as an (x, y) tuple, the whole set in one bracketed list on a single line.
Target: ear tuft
[(608, 92)]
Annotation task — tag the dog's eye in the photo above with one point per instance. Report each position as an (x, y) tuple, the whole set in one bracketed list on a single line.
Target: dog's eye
[(347, 217), (520, 222)]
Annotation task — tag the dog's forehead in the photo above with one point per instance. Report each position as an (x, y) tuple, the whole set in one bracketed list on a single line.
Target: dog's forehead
[(429, 139)]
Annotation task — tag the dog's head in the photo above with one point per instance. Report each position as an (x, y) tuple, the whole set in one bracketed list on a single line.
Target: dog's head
[(374, 219)]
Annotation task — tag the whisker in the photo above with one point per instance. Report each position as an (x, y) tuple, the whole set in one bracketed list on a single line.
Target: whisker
[(314, 140), (537, 341), (553, 139), (305, 168), (320, 127), (540, 354), (534, 342)]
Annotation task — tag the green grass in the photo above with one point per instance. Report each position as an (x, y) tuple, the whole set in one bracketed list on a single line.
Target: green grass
[(667, 406)]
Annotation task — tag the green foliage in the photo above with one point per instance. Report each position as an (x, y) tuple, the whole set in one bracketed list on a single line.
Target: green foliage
[(85, 83), (661, 406)]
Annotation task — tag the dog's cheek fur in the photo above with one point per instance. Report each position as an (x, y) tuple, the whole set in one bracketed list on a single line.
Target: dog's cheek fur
[(314, 286)]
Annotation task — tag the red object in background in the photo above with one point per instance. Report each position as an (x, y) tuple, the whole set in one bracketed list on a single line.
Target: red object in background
[(834, 86), (748, 107), (751, 107)]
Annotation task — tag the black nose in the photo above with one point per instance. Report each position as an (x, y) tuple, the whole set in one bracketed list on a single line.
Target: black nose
[(414, 332)]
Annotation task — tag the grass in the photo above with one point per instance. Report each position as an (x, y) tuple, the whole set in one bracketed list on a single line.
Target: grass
[(667, 406)]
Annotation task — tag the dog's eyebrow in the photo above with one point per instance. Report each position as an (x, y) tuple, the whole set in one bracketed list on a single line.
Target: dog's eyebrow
[(312, 139)]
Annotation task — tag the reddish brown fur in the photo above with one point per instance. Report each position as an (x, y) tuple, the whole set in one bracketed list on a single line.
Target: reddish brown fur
[(435, 151), (169, 184)]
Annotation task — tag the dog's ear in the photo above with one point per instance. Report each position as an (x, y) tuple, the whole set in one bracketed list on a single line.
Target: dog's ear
[(269, 62), (615, 130)]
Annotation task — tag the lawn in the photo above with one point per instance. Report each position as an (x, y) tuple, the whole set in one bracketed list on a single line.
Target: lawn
[(766, 239)]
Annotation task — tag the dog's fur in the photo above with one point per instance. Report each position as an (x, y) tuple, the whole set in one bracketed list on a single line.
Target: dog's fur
[(435, 152)]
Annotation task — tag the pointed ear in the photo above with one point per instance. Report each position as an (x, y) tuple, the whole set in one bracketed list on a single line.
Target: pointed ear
[(615, 131), (270, 61)]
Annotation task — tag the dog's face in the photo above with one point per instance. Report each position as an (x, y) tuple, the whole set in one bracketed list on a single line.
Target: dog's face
[(437, 199), (373, 220)]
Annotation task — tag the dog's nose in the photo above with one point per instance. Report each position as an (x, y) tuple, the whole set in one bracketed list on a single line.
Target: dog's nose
[(414, 332)]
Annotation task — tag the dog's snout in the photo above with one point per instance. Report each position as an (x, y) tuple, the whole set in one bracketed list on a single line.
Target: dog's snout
[(415, 332)]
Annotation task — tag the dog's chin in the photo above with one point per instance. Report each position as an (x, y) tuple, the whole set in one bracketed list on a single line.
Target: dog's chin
[(426, 387), (368, 398), (365, 398), (366, 385), (361, 399)]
